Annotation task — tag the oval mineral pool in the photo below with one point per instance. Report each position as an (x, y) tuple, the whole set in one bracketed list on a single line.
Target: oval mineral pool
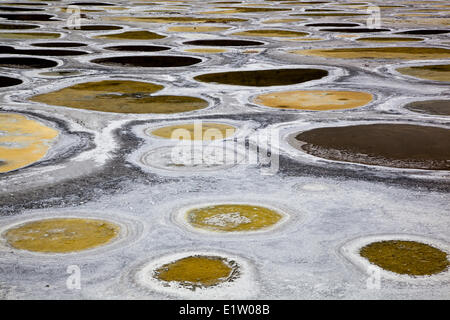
[(40, 52), (28, 17), (332, 24), (389, 39), (353, 30), (198, 20), (206, 50), (197, 29), (63, 73), (148, 61), (232, 218), (406, 257), (425, 32), (224, 43), (315, 99), (263, 78), (9, 82), (391, 145), (198, 271), (195, 131), (29, 35), (120, 96), (192, 158), (231, 10), (408, 53), (440, 72), (94, 27), (58, 44), (61, 235), (132, 35), (137, 48), (14, 9), (10, 26), (432, 107), (271, 33), (23, 141), (26, 63)]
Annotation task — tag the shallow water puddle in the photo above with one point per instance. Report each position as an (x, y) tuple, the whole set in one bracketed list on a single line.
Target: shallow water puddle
[(120, 96), (406, 257), (23, 141), (61, 235), (315, 100)]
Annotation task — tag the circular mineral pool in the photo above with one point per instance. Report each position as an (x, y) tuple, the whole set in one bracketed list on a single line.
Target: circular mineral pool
[(137, 48), (26, 63), (433, 107), (383, 144), (232, 218), (61, 235), (29, 35), (59, 44), (271, 33), (193, 131), (314, 100), (407, 53), (120, 96), (263, 78), (132, 35), (23, 141), (192, 158), (389, 39), (224, 43), (440, 72), (198, 271), (148, 61), (425, 31), (9, 82), (406, 257)]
